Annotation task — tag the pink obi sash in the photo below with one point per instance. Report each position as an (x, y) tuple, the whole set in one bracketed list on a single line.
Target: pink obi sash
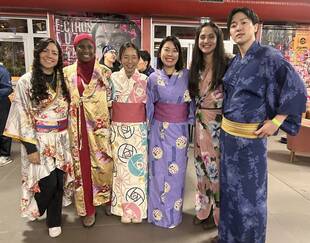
[(128, 112), (51, 126), (166, 112)]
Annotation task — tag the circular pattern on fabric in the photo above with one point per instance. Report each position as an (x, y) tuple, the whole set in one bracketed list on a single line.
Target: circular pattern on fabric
[(157, 152), (126, 131), (166, 187), (157, 214), (125, 152), (178, 204), (131, 210), (165, 125), (173, 168), (181, 142), (136, 195), (136, 165)]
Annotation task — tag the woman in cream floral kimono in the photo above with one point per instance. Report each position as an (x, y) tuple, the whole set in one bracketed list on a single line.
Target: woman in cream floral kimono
[(89, 124), (38, 118)]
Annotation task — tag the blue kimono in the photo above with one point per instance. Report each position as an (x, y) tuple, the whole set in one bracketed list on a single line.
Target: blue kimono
[(257, 87)]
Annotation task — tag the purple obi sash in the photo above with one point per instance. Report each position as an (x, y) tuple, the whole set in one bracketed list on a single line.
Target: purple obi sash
[(166, 112), (51, 126)]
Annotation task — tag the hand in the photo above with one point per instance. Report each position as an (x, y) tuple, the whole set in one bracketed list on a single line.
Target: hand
[(268, 129), (34, 158)]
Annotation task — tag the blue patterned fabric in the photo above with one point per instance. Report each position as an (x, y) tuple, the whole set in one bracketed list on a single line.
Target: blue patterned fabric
[(257, 87)]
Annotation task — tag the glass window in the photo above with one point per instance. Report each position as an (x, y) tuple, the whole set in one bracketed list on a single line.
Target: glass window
[(16, 61), (13, 25), (184, 54), (160, 31), (36, 40), (39, 26), (183, 32)]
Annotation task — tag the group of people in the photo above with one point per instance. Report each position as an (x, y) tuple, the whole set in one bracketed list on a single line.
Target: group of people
[(121, 139)]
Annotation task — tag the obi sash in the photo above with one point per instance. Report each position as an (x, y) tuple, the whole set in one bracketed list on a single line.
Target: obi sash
[(51, 126), (245, 130), (128, 112), (166, 112)]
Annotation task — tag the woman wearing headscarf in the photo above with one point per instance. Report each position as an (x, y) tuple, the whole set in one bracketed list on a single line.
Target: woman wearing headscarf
[(88, 85), (38, 118)]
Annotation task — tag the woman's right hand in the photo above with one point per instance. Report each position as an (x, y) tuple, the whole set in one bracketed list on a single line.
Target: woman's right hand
[(34, 158)]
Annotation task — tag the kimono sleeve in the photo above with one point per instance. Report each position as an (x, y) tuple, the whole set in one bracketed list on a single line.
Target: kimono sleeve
[(151, 97), (109, 87), (191, 115), (20, 123), (288, 96)]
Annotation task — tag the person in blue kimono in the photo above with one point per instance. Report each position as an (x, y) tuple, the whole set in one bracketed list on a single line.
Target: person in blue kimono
[(262, 93)]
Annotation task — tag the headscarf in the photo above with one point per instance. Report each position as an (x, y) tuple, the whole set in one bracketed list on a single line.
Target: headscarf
[(85, 69)]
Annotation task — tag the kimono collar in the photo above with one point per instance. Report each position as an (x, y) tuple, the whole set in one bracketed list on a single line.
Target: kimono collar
[(85, 70), (132, 76), (253, 48)]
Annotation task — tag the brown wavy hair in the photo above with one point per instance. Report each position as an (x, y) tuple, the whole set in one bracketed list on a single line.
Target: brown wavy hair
[(39, 83)]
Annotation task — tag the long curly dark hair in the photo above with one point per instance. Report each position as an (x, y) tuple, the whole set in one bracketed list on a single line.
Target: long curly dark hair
[(220, 61), (39, 83)]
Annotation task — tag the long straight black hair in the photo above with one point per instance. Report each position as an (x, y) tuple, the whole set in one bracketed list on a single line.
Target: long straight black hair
[(220, 61)]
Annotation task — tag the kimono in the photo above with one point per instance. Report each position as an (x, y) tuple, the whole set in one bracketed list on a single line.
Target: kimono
[(25, 123), (168, 147), (94, 102), (207, 149), (257, 87), (129, 150)]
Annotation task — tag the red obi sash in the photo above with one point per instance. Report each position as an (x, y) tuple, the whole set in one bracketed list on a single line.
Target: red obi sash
[(51, 126), (128, 112), (166, 112)]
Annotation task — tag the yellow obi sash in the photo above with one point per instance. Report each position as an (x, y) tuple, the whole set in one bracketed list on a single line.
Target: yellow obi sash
[(244, 130)]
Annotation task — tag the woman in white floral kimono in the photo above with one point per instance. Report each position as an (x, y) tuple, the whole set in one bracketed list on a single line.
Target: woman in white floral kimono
[(129, 138), (38, 118)]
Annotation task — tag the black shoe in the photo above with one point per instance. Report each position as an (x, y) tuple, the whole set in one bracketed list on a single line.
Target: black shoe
[(197, 221)]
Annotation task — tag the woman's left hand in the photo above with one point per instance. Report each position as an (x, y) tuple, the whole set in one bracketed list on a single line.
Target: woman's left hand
[(268, 129)]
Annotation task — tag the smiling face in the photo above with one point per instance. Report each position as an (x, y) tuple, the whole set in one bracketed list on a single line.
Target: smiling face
[(207, 40), (85, 51), (129, 60), (49, 58), (169, 54), (242, 30), (110, 56)]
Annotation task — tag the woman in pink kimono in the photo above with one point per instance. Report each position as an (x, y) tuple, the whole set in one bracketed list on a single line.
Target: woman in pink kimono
[(207, 69), (129, 138), (38, 118)]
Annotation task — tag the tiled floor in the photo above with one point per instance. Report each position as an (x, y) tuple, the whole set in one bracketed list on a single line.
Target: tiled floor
[(288, 210)]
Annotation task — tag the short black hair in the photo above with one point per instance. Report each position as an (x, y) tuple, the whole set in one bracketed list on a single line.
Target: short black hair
[(179, 65), (145, 55), (247, 11)]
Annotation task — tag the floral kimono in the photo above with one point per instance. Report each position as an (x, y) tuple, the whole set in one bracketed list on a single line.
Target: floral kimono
[(206, 149), (27, 122), (94, 103), (129, 146), (257, 87)]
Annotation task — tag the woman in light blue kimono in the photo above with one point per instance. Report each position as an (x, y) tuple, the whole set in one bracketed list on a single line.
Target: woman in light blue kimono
[(262, 93), (169, 113)]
